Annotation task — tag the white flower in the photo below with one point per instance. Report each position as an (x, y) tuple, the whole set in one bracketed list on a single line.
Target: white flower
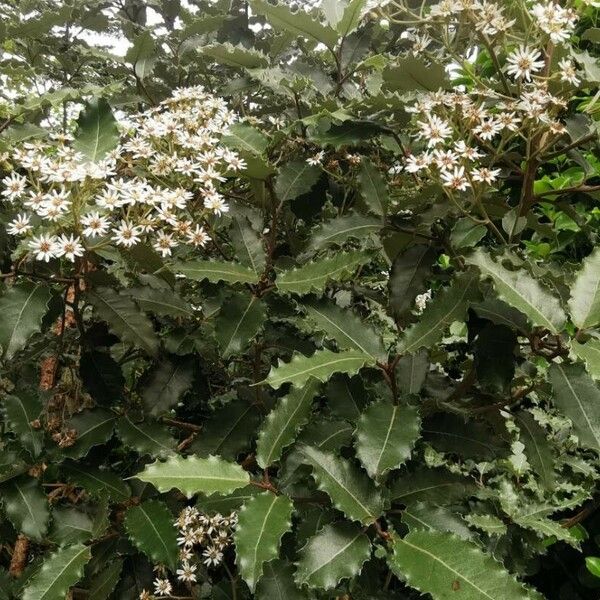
[(488, 129), (445, 159), (198, 237), (556, 21), (568, 72), (467, 152), (524, 61), (164, 244), (508, 120), (126, 234), (162, 587), (214, 202), (233, 161), (317, 159), (212, 556), (456, 179), (434, 130), (414, 164), (69, 247), (187, 572), (421, 301), (94, 224), (485, 175), (44, 247), (14, 185), (19, 225)]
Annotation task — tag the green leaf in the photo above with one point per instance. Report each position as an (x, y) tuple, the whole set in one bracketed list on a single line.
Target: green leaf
[(242, 136), (385, 436), (124, 318), (240, 319), (592, 564), (58, 573), (150, 527), (336, 552), (333, 10), (428, 517), (316, 275), (166, 385), (500, 313), (19, 414), (349, 488), (147, 437), (520, 290), (235, 56), (589, 353), (321, 365), (495, 358), (70, 526), (216, 271), (194, 475), (248, 243), (411, 73), (26, 506), (300, 23), (348, 330), (262, 521), (97, 132), (94, 426), (537, 448), (98, 483), (277, 582), (350, 133), (584, 302), (283, 423), (161, 302), (488, 523), (578, 397), (341, 229), (408, 277), (545, 528), (466, 233), (22, 307), (443, 565), (346, 396), (102, 377), (218, 503), (437, 486), (448, 305), (411, 372), (295, 179), (373, 187), (142, 54), (327, 435), (104, 583), (351, 18)]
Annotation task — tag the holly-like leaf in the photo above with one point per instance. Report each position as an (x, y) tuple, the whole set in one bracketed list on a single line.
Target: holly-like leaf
[(283, 423), (545, 528), (216, 271), (327, 435), (97, 132), (410, 271), (321, 365), (411, 372), (22, 308), (226, 503), (295, 179), (147, 437), (163, 302), (423, 516), (241, 317), (142, 54), (373, 188), (98, 483), (336, 552), (277, 582), (413, 73), (104, 583), (349, 488), (437, 486), (194, 475), (537, 448), (578, 397), (70, 526), (351, 17), (235, 56), (495, 358), (450, 304), (58, 573), (262, 521), (346, 396), (26, 506), (385, 436), (500, 313), (299, 23), (242, 136), (102, 377), (584, 302), (520, 290), (490, 524), (94, 426), (466, 233), (124, 318), (341, 229), (248, 243), (150, 527), (441, 564), (589, 353), (166, 385), (316, 275), (20, 413)]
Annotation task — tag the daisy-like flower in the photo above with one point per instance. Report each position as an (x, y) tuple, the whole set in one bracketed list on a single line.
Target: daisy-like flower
[(316, 160), (485, 175), (456, 179), (44, 247), (234, 162), (488, 129), (198, 237), (14, 185), (214, 202), (417, 163), (508, 120), (524, 61), (69, 247), (164, 244), (19, 225), (445, 159), (187, 573), (126, 234), (212, 556), (434, 130), (162, 587), (94, 224), (467, 152), (556, 21), (568, 72)]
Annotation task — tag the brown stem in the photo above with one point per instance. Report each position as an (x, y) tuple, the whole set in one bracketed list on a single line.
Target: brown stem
[(19, 556)]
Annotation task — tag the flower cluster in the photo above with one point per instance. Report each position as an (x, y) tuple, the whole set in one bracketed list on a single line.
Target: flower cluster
[(202, 539), (162, 184)]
